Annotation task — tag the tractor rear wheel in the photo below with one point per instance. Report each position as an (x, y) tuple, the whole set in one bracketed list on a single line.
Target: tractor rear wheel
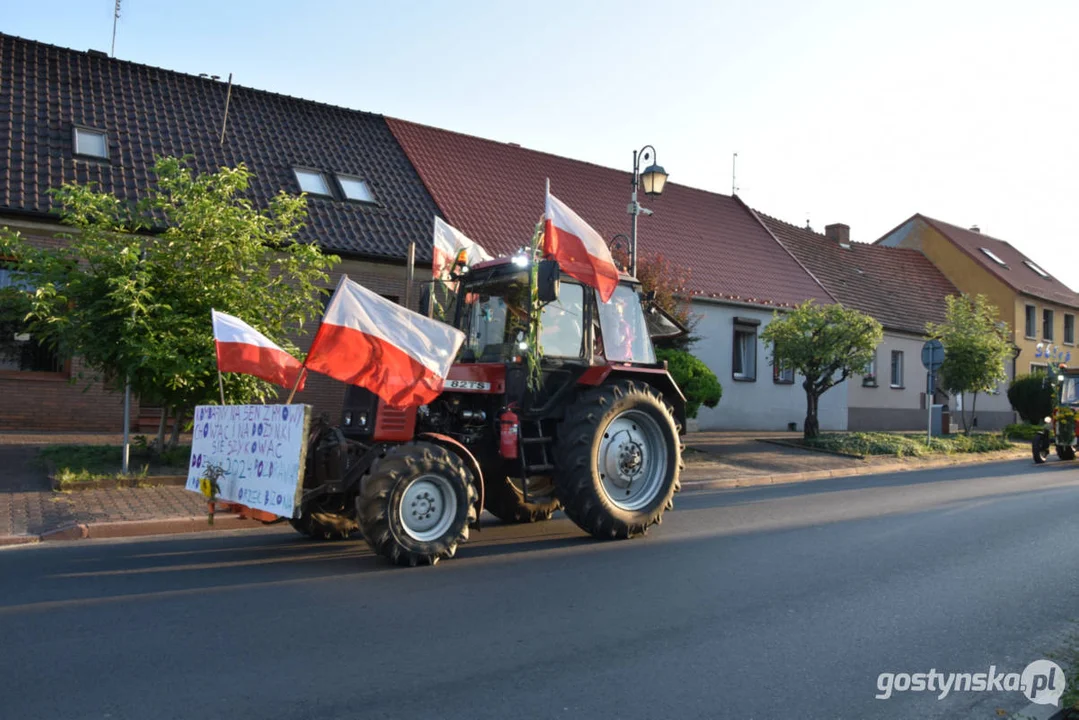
[(503, 498), (1040, 447), (619, 460), (1065, 452), (416, 504), (332, 519)]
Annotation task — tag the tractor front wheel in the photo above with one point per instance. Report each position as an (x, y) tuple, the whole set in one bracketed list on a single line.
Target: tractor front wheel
[(1065, 452), (1040, 447), (619, 460), (416, 504)]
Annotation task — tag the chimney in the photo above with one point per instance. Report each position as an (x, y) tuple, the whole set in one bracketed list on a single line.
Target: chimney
[(975, 228), (838, 232)]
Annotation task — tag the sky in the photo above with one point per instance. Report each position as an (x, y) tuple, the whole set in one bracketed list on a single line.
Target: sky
[(856, 112)]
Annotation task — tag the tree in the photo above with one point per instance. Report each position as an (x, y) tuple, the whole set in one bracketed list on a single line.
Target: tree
[(131, 290), (1032, 397), (976, 347), (695, 379), (826, 344)]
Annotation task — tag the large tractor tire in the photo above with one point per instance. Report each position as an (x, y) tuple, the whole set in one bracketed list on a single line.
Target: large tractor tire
[(619, 460), (416, 504), (1040, 447), (503, 498), (332, 519), (1065, 452)]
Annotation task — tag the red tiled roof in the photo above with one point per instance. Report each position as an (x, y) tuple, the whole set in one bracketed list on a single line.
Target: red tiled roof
[(494, 193), (1017, 274), (899, 287)]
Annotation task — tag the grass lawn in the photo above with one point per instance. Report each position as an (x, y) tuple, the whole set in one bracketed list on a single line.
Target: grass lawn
[(906, 444), (74, 465)]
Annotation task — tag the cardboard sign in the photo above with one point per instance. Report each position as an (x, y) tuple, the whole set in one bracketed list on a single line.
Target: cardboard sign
[(261, 448)]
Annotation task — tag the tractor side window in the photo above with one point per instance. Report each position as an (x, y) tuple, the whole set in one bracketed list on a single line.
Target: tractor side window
[(562, 323), (625, 333), (1069, 391)]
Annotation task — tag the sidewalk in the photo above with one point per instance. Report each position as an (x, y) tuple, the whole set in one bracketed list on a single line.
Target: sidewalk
[(31, 511)]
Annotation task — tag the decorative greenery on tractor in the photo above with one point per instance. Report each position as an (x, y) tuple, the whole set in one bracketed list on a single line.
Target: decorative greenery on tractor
[(1059, 430), (556, 400)]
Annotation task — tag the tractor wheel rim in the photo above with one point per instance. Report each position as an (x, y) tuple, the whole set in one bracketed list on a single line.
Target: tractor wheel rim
[(632, 460), (428, 507)]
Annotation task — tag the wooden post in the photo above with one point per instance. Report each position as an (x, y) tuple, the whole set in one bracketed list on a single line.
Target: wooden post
[(221, 386), (299, 379), (410, 272)]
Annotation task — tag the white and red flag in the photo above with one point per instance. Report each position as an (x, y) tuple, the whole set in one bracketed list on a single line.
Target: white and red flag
[(450, 244), (367, 340), (243, 349), (579, 250)]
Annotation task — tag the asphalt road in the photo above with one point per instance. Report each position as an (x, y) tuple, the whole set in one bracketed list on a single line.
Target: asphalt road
[(757, 603)]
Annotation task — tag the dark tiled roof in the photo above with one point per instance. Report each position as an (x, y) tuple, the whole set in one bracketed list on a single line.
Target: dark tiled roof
[(494, 192), (897, 286), (1017, 275), (45, 90)]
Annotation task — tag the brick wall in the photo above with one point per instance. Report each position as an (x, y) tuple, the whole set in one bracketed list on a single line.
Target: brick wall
[(74, 401)]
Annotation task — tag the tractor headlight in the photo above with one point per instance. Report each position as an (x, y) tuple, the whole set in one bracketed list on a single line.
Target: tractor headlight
[(348, 418), (1048, 420)]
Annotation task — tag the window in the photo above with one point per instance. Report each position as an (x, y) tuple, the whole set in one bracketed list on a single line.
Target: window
[(562, 323), (19, 351), (354, 188), (897, 368), (1047, 324), (1069, 329), (782, 374), (92, 143), (312, 182), (1035, 268), (1036, 368), (623, 329), (1032, 322), (744, 365), (869, 379), (992, 256)]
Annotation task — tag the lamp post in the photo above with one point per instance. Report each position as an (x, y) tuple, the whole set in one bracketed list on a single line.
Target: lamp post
[(652, 181)]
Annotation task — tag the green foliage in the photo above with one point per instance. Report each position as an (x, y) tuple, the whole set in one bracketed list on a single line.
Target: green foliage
[(131, 290), (824, 343), (103, 459), (1032, 397), (882, 443), (697, 381), (976, 346), (1021, 431)]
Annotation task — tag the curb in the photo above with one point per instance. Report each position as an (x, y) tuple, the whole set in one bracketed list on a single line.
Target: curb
[(133, 528), (875, 469)]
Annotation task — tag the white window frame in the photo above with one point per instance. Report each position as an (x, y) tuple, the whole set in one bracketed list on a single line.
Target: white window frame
[(298, 172), (1030, 329), (104, 135), (871, 371), (748, 355), (897, 355), (993, 256), (1033, 266), (343, 178), (1069, 338)]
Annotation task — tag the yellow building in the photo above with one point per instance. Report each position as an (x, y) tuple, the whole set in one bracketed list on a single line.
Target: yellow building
[(1037, 307)]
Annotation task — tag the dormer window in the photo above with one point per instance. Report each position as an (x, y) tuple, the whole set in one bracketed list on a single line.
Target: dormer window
[(993, 256), (91, 143), (355, 188), (312, 182), (1035, 268)]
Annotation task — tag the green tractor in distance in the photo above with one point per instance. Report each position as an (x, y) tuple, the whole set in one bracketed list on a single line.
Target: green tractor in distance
[(1059, 430), (591, 425)]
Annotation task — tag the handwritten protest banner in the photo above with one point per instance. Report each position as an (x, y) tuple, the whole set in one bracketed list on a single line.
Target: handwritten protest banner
[(261, 448)]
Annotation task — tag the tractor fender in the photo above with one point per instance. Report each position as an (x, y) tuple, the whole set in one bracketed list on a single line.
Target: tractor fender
[(458, 448), (656, 376)]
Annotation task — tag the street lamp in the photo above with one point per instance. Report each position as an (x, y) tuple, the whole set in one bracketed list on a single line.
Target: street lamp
[(653, 179)]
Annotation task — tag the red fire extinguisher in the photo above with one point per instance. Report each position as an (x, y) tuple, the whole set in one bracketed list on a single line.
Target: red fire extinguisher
[(510, 427)]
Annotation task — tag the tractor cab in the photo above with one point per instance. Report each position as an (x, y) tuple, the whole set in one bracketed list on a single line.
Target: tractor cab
[(1069, 388)]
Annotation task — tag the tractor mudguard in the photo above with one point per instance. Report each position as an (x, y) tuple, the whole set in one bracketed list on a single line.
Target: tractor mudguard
[(656, 376), (465, 454)]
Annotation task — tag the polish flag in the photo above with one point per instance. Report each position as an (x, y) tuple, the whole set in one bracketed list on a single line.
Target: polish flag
[(243, 349), (579, 250), (451, 244), (366, 340)]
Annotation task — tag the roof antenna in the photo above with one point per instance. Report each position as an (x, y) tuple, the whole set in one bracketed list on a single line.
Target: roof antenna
[(808, 226), (225, 119), (734, 174), (115, 18)]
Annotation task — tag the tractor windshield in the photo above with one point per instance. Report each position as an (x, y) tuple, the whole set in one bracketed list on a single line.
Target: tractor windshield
[(623, 328), (1069, 390)]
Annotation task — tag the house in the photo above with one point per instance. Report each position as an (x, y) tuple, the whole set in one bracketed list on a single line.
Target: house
[(82, 116), (904, 291), (740, 275), (1037, 307)]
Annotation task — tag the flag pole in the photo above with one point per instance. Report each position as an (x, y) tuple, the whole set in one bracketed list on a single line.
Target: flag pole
[(221, 386), (299, 379)]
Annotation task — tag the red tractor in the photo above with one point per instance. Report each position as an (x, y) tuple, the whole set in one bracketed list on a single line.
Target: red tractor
[(592, 427)]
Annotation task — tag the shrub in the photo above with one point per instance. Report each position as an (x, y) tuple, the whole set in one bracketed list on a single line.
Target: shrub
[(1032, 397), (697, 381), (901, 445), (1021, 431)]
